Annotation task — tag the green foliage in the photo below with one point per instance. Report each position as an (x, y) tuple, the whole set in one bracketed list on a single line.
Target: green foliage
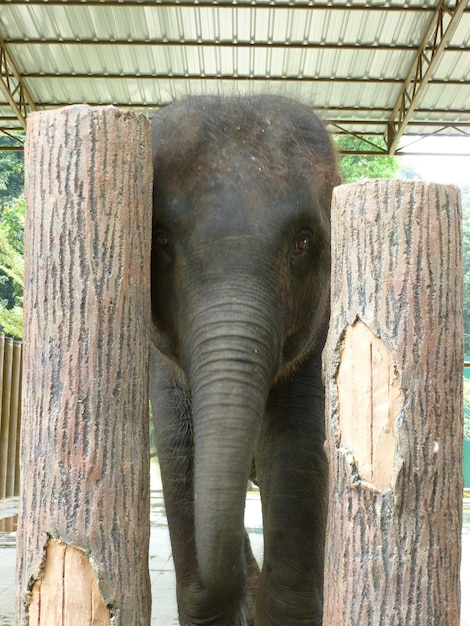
[(12, 321), (11, 172), (360, 166), (12, 267), (12, 212)]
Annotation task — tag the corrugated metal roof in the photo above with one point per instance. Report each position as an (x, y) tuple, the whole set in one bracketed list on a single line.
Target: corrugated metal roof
[(349, 60)]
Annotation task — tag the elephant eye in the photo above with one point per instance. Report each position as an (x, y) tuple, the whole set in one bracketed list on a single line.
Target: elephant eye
[(301, 253), (162, 247), (304, 241), (162, 240)]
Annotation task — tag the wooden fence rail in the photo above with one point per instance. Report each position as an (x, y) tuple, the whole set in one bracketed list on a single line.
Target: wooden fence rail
[(11, 353)]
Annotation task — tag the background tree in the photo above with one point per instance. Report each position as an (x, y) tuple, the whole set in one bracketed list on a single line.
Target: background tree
[(11, 171), (12, 268), (361, 166), (12, 211)]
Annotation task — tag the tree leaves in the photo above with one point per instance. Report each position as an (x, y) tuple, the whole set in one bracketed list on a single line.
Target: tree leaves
[(12, 212), (356, 167)]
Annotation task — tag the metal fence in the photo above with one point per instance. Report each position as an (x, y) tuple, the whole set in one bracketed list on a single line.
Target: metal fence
[(11, 357)]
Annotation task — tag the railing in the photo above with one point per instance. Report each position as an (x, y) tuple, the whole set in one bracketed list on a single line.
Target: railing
[(11, 353)]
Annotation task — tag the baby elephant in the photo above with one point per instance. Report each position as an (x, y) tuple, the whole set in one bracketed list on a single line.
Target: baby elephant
[(240, 303)]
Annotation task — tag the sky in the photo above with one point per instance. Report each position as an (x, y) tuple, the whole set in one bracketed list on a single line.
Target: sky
[(437, 167)]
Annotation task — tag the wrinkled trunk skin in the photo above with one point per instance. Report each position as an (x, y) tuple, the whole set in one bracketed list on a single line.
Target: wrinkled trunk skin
[(231, 369)]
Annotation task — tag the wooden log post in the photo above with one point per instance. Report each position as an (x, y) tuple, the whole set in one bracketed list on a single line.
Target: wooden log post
[(15, 419), (5, 416), (11, 358), (84, 514), (393, 373)]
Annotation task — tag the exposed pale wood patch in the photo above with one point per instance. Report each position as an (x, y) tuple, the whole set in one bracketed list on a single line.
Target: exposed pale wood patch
[(369, 402), (67, 594)]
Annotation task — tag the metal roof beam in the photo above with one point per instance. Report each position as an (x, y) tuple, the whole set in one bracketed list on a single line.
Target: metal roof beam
[(11, 148), (433, 45), (370, 148), (18, 138), (189, 43), (13, 87), (231, 4), (227, 77), (324, 110)]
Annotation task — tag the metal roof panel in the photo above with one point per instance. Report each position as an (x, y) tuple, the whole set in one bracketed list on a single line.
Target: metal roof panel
[(348, 59)]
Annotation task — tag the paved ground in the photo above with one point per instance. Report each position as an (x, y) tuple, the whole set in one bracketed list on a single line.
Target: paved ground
[(161, 567)]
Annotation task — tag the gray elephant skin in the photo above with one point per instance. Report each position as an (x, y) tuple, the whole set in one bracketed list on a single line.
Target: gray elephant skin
[(240, 305)]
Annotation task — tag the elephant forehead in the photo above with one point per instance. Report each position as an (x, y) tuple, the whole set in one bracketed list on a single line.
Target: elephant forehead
[(224, 206), (259, 168), (232, 184), (225, 164)]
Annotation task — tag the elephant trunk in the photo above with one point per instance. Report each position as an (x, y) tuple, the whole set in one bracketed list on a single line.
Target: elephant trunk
[(232, 365)]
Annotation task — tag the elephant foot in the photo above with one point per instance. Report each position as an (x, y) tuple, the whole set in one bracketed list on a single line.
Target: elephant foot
[(195, 609), (217, 621)]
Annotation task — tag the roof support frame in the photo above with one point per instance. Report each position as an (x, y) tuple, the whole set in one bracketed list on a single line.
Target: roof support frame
[(210, 44), (429, 54), (373, 149), (429, 32), (233, 4), (13, 87), (370, 148), (170, 76), (18, 138)]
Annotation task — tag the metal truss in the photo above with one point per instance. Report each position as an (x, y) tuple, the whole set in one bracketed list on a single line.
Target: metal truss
[(16, 135), (372, 143), (440, 30), (210, 44), (13, 87), (326, 5), (388, 123)]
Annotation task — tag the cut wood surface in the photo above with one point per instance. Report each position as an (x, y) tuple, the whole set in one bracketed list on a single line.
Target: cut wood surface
[(369, 404), (67, 581), (84, 514), (393, 373)]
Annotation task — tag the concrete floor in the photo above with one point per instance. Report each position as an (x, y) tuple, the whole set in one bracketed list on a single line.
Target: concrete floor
[(161, 566)]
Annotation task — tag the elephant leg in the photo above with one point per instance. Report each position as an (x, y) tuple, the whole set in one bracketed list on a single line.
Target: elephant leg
[(171, 407), (252, 577), (292, 471)]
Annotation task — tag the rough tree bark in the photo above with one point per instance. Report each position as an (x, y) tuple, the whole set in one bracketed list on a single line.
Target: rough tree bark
[(393, 372), (84, 516)]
